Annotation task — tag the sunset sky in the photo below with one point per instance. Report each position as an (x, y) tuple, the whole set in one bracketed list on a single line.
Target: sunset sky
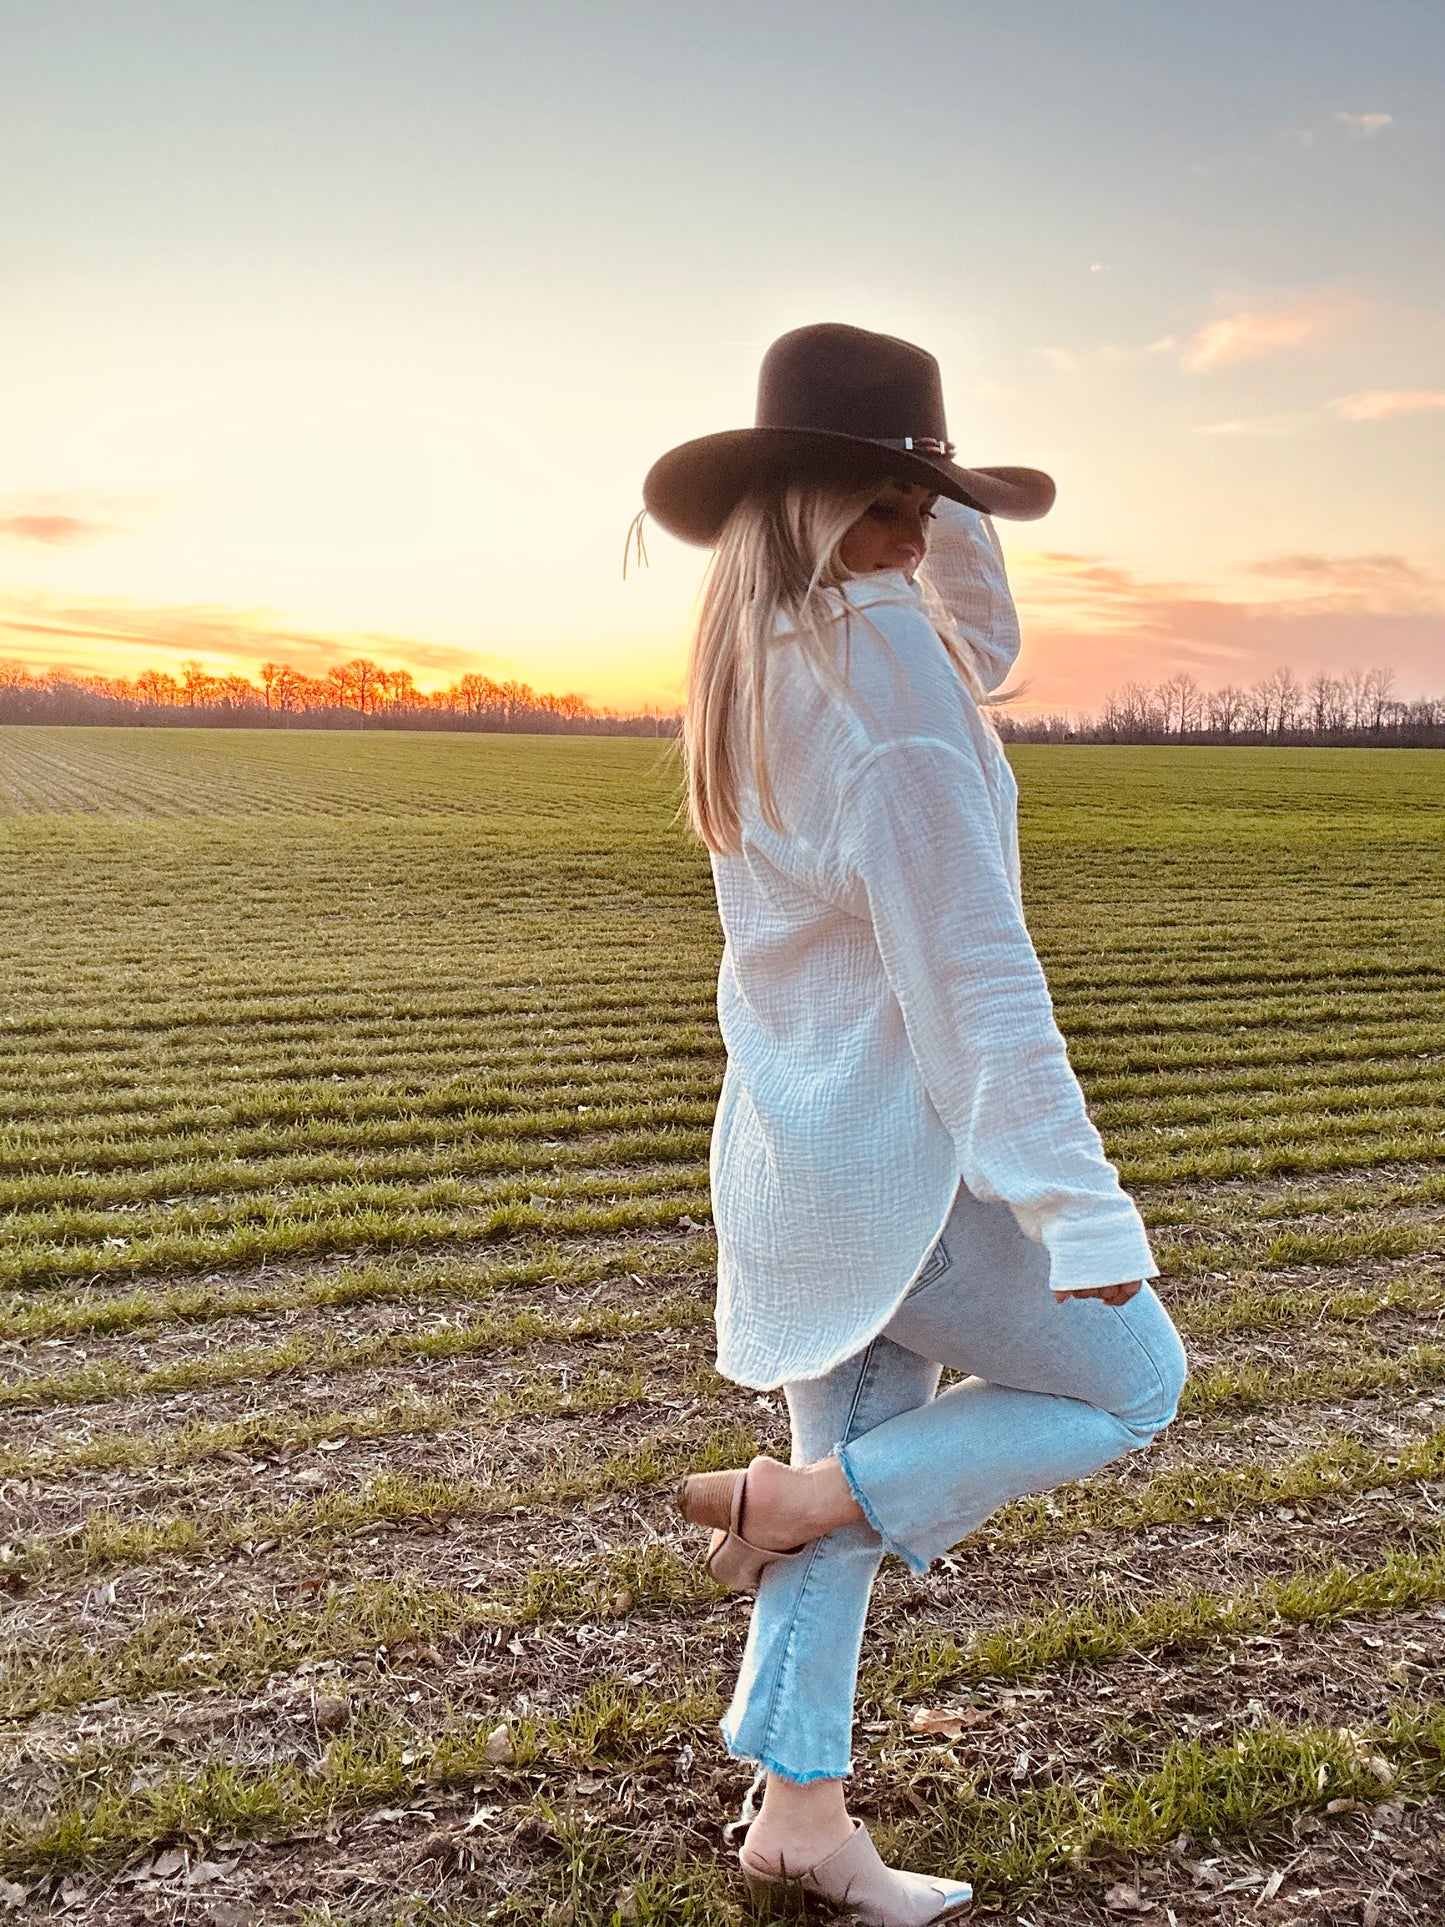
[(351, 326)]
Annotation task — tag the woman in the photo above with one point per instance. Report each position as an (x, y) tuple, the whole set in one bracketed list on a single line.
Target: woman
[(904, 1173)]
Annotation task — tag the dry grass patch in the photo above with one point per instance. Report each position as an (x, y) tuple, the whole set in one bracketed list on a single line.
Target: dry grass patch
[(353, 1108)]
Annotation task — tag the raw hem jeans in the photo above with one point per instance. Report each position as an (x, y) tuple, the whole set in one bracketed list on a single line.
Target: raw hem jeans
[(1055, 1392)]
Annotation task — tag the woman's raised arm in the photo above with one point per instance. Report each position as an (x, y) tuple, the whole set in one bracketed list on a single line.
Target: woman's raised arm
[(964, 568)]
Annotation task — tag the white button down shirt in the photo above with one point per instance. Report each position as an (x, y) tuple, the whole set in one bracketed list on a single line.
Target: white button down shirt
[(887, 1023)]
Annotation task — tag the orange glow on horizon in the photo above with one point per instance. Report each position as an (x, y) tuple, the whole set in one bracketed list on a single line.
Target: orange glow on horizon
[(1089, 625), (323, 345)]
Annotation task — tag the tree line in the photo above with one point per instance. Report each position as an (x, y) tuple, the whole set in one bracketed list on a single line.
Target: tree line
[(360, 694), (1357, 708)]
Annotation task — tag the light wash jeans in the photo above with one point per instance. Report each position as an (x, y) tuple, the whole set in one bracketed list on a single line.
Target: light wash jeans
[(1057, 1391)]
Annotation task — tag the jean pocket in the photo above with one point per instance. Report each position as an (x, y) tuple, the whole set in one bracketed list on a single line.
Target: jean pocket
[(934, 1266)]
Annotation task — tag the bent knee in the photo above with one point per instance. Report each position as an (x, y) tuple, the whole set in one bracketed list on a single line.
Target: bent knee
[(1153, 1398)]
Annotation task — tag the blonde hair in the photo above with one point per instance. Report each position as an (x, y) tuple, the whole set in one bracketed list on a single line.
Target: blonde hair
[(777, 555)]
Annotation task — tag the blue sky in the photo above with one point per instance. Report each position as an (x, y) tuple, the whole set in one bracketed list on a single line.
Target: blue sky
[(356, 325)]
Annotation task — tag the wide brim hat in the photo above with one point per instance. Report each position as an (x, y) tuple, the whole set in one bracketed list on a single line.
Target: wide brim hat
[(835, 404)]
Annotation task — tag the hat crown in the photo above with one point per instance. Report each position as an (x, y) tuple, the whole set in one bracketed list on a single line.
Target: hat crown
[(848, 381), (842, 407)]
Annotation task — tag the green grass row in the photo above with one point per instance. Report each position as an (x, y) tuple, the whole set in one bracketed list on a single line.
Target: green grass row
[(147, 1120), (1351, 1130), (64, 1203), (447, 1280), (1200, 1314), (1056, 1846), (1223, 1389), (173, 1046), (504, 1331), (1241, 1229), (1010, 1847), (109, 1542), (592, 1130), (280, 1230), (66, 1246), (144, 1071), (165, 1654), (593, 1389), (410, 1126)]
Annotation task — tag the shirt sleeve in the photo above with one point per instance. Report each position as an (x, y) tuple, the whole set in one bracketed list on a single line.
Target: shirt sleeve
[(916, 831), (964, 567)]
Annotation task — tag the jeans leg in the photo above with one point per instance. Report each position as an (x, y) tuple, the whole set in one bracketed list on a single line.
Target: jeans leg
[(793, 1707), (1058, 1390)]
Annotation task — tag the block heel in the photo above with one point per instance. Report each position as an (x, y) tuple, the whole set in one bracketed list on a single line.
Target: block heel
[(716, 1499)]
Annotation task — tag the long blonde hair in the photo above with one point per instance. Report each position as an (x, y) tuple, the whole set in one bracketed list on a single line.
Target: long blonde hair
[(777, 555)]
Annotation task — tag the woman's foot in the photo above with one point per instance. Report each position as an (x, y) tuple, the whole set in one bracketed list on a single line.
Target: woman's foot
[(764, 1514), (804, 1834), (787, 1505), (797, 1826)]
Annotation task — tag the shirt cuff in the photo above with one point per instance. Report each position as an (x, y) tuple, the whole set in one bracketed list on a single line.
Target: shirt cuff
[(1085, 1253)]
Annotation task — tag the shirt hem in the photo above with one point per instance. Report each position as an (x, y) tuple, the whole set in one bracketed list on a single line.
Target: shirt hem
[(735, 1371)]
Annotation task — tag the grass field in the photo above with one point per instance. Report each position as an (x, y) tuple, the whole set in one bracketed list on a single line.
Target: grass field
[(357, 1288)]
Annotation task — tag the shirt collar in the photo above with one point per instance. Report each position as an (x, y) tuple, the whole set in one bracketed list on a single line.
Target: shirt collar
[(882, 585)]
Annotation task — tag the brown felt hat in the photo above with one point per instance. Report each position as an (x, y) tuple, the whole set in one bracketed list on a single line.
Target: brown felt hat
[(835, 404)]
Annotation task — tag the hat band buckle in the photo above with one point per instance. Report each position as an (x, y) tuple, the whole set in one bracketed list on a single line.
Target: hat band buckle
[(922, 445)]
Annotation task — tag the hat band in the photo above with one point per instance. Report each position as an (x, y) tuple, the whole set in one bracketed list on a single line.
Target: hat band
[(915, 444)]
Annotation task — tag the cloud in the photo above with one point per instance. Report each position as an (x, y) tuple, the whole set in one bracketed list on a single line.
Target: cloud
[(51, 531), (1095, 590), (1375, 404), (1070, 360), (1247, 336), (1252, 425), (1379, 582), (1243, 336), (116, 637), (1090, 624), (1365, 126), (1297, 137)]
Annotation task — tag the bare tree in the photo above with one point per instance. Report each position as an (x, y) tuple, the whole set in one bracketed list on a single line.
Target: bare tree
[(1356, 695), (234, 692), (358, 684), (1376, 690), (1225, 708), (154, 686), (1140, 710), (399, 690), (1284, 698), (1257, 710), (198, 685), (390, 696), (1115, 720), (476, 695), (1180, 704)]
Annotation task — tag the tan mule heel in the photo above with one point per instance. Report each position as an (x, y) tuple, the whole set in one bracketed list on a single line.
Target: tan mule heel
[(856, 1877), (716, 1499)]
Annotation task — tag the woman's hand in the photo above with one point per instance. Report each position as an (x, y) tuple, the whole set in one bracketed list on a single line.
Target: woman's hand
[(1111, 1294)]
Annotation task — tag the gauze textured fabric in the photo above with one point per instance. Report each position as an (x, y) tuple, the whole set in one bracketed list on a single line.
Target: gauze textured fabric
[(887, 1023)]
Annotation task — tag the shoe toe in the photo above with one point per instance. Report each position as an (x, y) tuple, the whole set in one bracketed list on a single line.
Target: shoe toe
[(935, 1899), (954, 1896)]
